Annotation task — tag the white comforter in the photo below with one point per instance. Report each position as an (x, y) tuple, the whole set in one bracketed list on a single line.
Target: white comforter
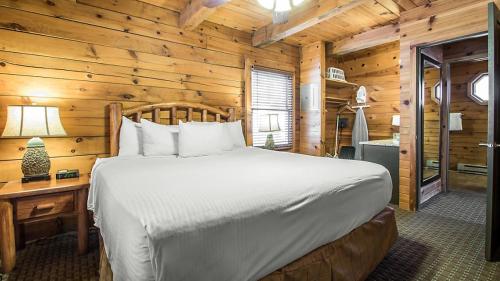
[(235, 216)]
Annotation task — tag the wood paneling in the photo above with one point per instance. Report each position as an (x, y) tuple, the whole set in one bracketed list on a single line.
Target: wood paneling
[(249, 16), (312, 121), (378, 70), (369, 15), (303, 19), (82, 55), (464, 146), (372, 38), (443, 20), (196, 11)]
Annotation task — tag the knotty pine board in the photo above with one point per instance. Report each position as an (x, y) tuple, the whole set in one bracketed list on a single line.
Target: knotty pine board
[(312, 67)]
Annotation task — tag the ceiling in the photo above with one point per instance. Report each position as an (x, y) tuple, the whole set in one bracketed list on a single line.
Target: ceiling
[(248, 15)]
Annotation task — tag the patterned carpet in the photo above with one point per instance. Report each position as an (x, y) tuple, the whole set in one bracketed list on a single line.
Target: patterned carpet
[(443, 241)]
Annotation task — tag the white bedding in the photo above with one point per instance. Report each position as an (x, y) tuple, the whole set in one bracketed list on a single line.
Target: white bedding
[(235, 216)]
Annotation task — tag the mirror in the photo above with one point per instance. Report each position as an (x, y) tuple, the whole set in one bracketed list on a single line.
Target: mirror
[(431, 91)]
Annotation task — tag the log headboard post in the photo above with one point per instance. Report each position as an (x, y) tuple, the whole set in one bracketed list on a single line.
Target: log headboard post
[(115, 122), (232, 116)]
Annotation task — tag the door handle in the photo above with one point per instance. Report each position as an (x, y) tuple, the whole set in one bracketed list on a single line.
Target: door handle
[(489, 145)]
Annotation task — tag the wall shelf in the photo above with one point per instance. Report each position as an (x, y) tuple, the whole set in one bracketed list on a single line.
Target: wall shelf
[(336, 101), (338, 84)]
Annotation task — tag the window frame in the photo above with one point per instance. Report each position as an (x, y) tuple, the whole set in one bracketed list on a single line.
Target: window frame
[(272, 66), (470, 88), (433, 92)]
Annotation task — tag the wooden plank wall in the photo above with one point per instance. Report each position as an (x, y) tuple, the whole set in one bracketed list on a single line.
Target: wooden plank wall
[(312, 69), (436, 22), (82, 55), (464, 144), (377, 69)]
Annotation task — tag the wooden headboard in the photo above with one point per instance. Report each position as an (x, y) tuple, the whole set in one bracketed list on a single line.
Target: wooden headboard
[(116, 112)]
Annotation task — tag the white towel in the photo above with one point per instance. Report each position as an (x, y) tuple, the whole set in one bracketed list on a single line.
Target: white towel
[(359, 133), (455, 122)]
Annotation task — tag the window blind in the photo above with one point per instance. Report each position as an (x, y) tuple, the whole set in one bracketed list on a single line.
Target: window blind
[(272, 93)]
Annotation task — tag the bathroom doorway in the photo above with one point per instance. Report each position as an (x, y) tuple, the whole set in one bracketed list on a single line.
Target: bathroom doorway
[(453, 116), (465, 135)]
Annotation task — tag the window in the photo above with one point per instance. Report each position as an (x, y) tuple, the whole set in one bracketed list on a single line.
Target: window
[(436, 93), (479, 89), (272, 94)]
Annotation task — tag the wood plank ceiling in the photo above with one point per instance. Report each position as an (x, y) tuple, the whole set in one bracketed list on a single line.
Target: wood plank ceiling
[(248, 16)]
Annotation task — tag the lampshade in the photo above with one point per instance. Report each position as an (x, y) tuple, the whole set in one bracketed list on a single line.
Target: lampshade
[(396, 120), (269, 123), (33, 121)]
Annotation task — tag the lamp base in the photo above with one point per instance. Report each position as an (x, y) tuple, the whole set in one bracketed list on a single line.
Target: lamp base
[(269, 142), (36, 162), (44, 177)]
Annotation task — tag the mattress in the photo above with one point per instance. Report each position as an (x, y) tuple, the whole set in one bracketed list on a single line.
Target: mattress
[(235, 216)]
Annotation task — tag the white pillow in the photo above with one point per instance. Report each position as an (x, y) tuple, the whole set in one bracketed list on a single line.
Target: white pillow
[(130, 138), (235, 132), (198, 139), (159, 140), (226, 142)]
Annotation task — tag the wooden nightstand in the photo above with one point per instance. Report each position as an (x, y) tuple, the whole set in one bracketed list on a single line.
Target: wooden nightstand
[(36, 201)]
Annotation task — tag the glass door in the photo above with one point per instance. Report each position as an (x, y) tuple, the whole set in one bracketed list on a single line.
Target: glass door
[(430, 120)]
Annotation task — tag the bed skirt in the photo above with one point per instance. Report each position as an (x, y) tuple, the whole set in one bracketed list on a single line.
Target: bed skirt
[(352, 257)]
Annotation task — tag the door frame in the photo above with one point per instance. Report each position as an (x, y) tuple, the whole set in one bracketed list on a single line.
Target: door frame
[(446, 92), (420, 119)]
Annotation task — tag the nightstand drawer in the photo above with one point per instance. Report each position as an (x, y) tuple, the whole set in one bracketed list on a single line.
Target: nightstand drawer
[(43, 205)]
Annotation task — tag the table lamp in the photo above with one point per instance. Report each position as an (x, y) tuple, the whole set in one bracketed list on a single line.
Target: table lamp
[(34, 121), (269, 124)]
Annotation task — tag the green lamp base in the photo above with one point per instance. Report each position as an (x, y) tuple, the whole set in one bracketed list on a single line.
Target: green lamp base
[(36, 161), (269, 142)]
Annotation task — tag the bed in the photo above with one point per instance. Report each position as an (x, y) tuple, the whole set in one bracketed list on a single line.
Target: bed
[(246, 214)]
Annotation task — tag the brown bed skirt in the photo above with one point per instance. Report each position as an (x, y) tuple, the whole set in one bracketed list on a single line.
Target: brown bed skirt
[(352, 257)]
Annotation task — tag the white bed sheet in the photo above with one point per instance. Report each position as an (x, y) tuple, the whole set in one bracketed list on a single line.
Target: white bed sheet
[(235, 216)]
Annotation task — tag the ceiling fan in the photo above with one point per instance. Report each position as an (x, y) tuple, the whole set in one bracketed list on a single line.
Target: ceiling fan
[(281, 8)]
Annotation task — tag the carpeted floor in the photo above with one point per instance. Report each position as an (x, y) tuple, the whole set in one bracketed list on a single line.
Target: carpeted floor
[(443, 241)]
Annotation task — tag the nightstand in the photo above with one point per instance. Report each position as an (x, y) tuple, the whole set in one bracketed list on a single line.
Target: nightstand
[(37, 201)]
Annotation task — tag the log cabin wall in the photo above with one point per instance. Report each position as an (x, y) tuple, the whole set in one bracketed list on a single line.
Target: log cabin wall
[(442, 20), (82, 55), (464, 144), (377, 69), (312, 69)]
